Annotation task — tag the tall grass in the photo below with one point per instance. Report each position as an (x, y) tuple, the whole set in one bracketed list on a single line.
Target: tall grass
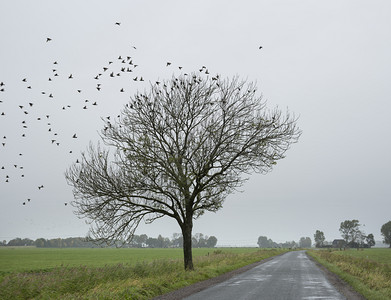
[(370, 278), (143, 280)]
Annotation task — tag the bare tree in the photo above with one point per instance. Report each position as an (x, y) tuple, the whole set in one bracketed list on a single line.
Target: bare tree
[(177, 151)]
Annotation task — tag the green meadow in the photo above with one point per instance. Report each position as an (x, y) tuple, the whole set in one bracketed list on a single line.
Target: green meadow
[(368, 271), (25, 259), (109, 273)]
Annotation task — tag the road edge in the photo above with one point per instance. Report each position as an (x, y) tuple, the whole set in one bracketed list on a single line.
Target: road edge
[(341, 285), (202, 285)]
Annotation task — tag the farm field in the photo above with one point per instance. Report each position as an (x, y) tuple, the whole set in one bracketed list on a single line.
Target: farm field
[(22, 259), (42, 273), (367, 271)]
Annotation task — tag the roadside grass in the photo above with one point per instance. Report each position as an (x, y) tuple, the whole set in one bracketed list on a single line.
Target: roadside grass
[(138, 280), (368, 271), (381, 255)]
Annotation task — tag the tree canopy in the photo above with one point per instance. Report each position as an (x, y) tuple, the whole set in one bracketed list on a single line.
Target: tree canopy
[(386, 233), (319, 238), (350, 230), (177, 150)]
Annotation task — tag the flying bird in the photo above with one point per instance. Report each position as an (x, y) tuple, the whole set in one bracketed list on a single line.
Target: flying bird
[(260, 47), (48, 40), (118, 23), (74, 136)]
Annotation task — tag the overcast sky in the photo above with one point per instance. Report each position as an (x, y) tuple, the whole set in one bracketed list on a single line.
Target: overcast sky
[(329, 62)]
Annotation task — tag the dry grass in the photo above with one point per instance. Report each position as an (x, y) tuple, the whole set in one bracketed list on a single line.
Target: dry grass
[(369, 277)]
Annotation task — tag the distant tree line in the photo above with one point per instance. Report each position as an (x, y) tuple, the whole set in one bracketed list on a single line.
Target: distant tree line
[(353, 236), (139, 241), (264, 242)]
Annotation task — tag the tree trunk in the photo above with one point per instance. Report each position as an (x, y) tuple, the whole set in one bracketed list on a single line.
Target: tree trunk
[(187, 228)]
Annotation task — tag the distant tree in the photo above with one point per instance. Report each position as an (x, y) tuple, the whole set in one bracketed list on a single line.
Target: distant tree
[(177, 240), (289, 245), (319, 239), (350, 232), (370, 240), (15, 242), (140, 240), (211, 242), (305, 242), (386, 233), (178, 150), (199, 240), (152, 243), (263, 242)]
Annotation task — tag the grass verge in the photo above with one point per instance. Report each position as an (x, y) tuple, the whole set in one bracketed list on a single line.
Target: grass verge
[(143, 280), (370, 278)]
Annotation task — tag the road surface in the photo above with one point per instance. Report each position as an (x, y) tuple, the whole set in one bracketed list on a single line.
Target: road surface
[(289, 276)]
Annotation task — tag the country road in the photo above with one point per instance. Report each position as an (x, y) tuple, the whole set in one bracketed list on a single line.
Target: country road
[(289, 276)]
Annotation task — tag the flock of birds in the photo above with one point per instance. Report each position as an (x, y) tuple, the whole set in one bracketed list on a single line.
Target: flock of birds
[(123, 65)]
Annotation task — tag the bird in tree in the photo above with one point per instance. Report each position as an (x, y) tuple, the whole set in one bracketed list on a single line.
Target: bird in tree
[(177, 151)]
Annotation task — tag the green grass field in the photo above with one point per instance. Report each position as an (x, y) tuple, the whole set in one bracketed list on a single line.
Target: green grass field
[(367, 271), (32, 273), (25, 259)]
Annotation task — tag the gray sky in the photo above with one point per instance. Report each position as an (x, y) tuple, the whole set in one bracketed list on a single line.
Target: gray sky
[(328, 62)]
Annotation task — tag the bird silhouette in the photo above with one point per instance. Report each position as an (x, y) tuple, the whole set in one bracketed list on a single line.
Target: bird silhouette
[(118, 23), (48, 39), (260, 47), (74, 136)]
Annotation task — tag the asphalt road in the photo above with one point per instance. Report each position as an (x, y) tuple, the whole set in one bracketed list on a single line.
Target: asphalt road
[(289, 276)]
